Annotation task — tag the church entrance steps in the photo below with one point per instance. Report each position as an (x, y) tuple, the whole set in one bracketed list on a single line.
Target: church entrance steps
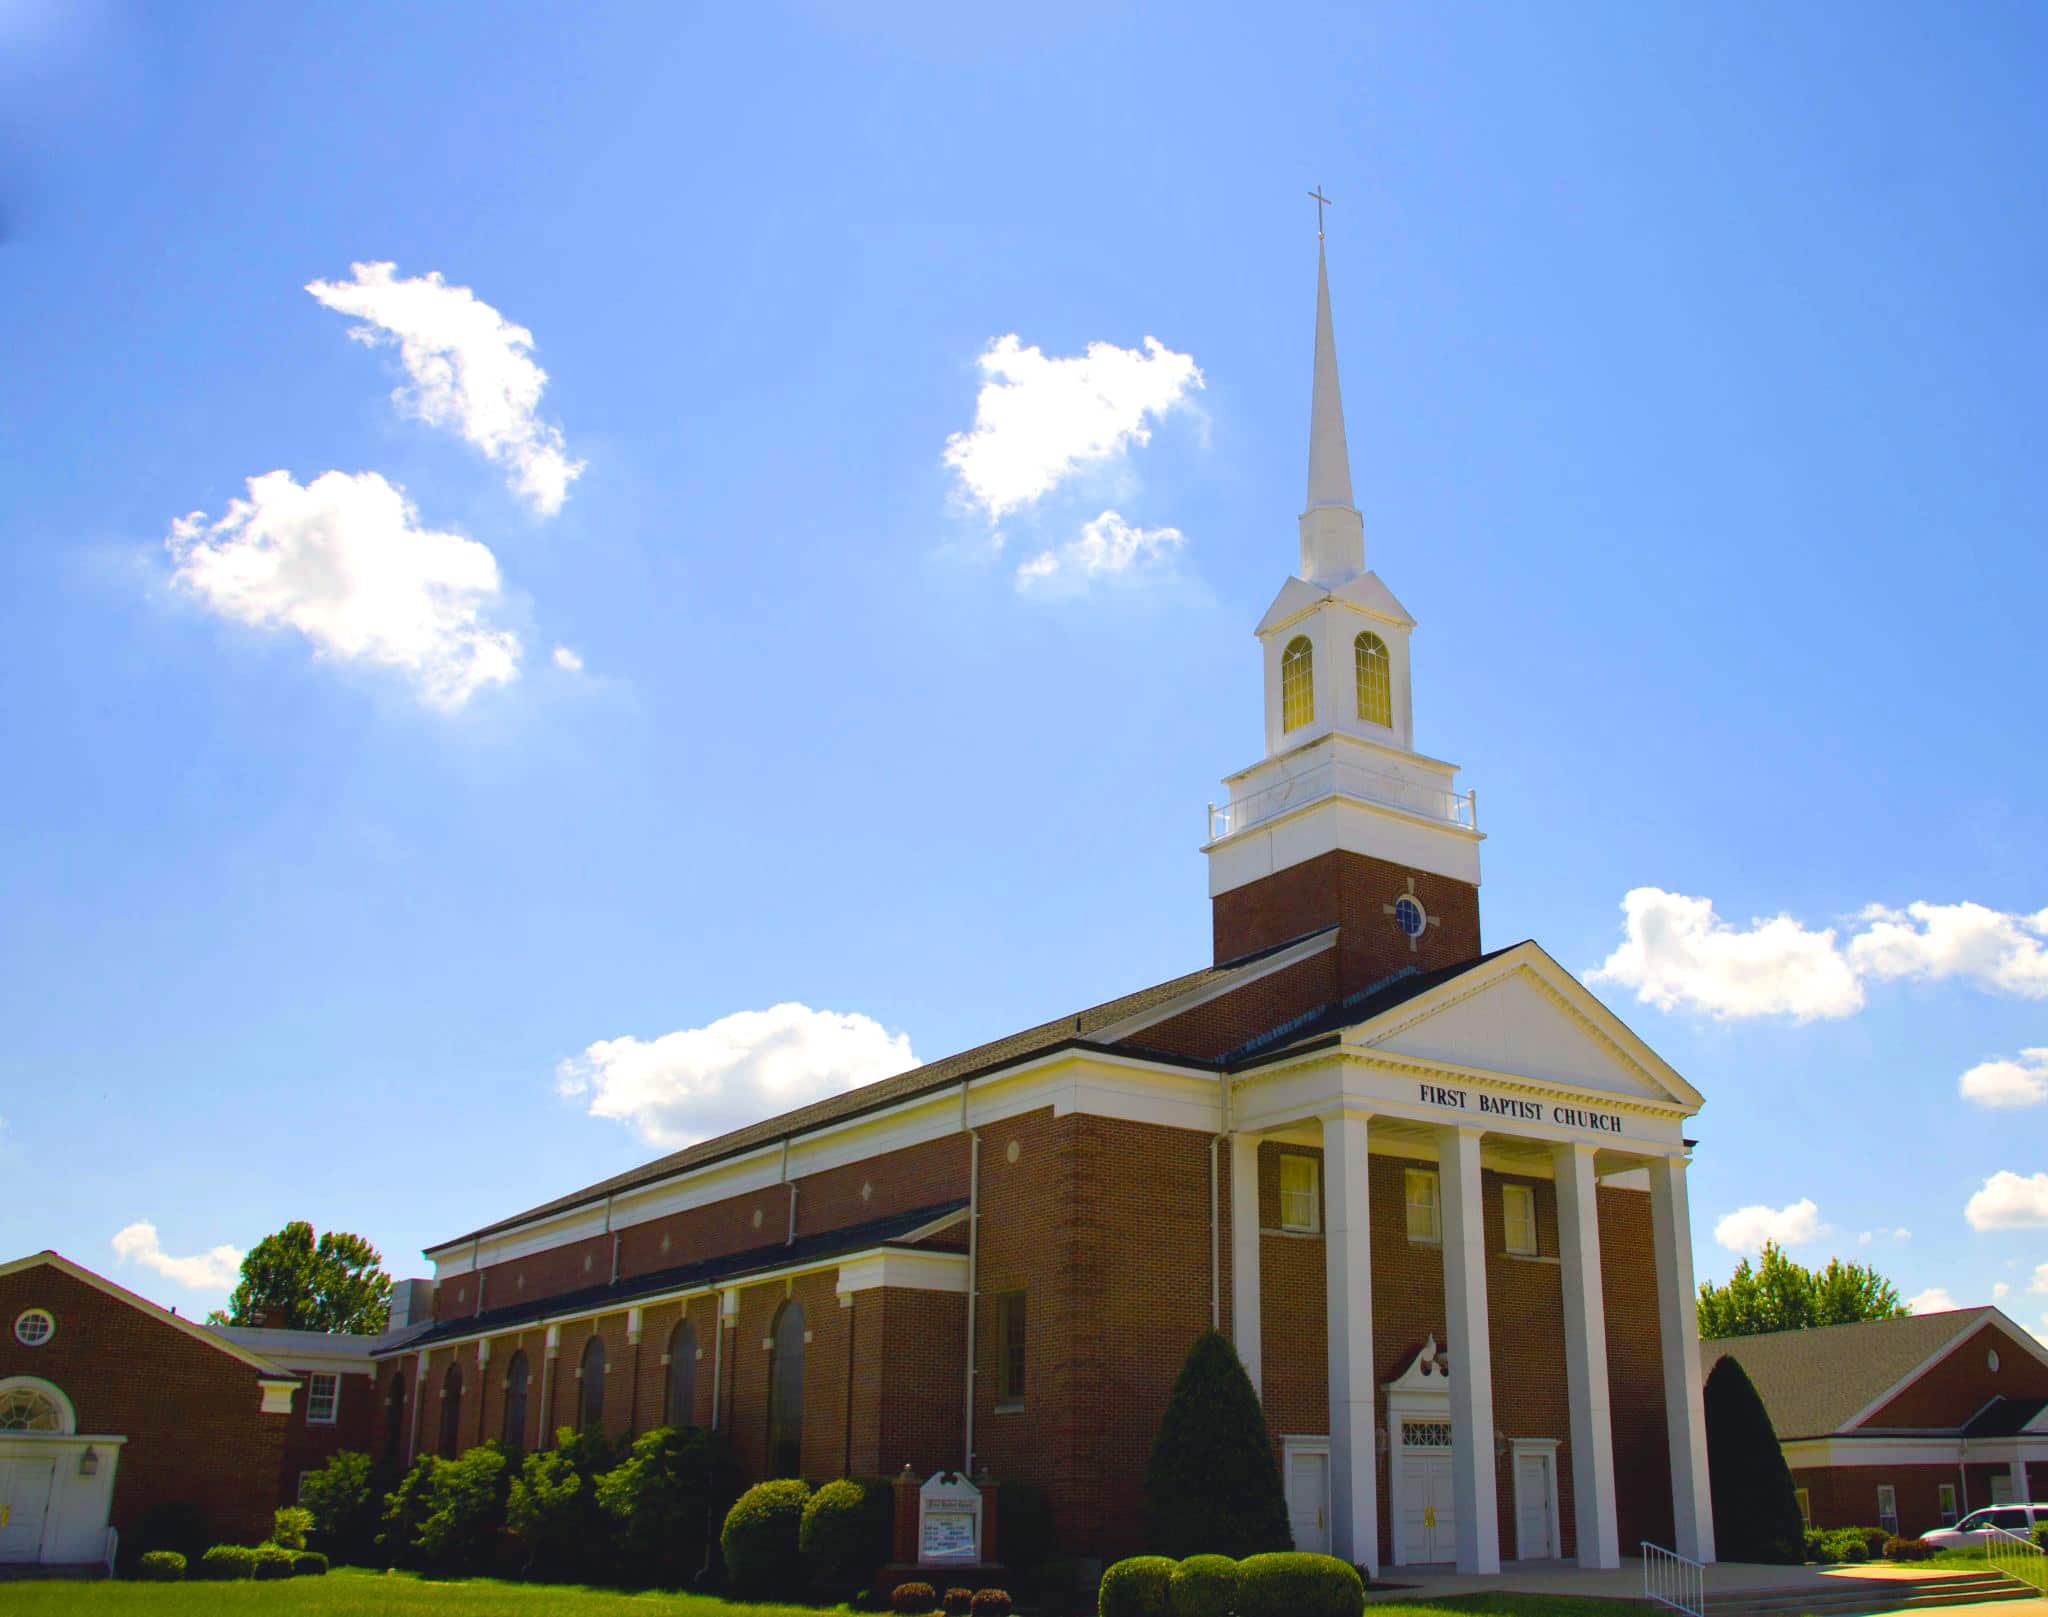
[(1844, 1596)]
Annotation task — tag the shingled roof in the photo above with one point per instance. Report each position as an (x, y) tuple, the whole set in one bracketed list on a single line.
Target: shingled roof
[(1815, 1382)]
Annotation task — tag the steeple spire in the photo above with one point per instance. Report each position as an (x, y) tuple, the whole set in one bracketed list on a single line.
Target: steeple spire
[(1332, 531)]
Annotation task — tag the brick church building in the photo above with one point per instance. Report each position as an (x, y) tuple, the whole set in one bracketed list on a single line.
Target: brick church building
[(1435, 1194)]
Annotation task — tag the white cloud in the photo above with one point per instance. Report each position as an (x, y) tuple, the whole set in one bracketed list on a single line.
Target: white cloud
[(567, 660), (699, 1082), (1038, 421), (472, 370), (1871, 1235), (2039, 1287), (216, 1269), (1998, 1290), (1107, 547), (1748, 1228), (1678, 952), (2008, 1083), (1995, 949), (1934, 1300), (345, 562), (2009, 1202)]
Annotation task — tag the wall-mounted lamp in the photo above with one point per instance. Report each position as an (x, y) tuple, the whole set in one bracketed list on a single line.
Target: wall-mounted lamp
[(89, 1461), (1379, 1440)]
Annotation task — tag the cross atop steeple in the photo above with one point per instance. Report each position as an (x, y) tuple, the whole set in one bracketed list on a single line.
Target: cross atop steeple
[(1321, 202)]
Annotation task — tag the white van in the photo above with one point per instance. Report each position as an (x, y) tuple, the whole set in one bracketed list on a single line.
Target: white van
[(1975, 1528)]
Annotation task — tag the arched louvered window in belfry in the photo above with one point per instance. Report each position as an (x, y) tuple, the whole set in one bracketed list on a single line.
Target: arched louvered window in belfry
[(1297, 684), (1375, 687), (451, 1412), (682, 1376), (515, 1402), (590, 1384), (786, 1393)]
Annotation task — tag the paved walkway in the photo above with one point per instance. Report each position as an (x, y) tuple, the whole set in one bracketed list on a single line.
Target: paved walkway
[(1724, 1578)]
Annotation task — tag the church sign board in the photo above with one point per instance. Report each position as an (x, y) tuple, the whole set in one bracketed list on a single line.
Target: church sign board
[(948, 1521)]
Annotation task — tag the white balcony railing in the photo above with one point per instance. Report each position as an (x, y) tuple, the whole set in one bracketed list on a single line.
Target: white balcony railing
[(1338, 778)]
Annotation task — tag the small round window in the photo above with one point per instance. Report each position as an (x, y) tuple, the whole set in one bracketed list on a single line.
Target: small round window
[(1991, 1361), (1409, 916), (34, 1326)]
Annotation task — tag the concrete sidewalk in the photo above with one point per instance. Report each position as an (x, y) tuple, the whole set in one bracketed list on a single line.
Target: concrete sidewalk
[(1724, 1580)]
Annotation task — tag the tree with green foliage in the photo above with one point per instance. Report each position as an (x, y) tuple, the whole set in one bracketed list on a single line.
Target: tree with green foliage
[(345, 1502), (466, 1510), (405, 1507), (1780, 1295), (667, 1497), (552, 1509), (290, 1281), (1213, 1487), (1756, 1512)]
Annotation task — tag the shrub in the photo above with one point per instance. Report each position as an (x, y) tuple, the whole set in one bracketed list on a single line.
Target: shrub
[(1296, 1584), (1137, 1588), (465, 1511), (343, 1499), (914, 1599), (1756, 1511), (160, 1566), (272, 1561), (552, 1509), (180, 1526), (989, 1603), (1212, 1487), (846, 1529), (760, 1538), (225, 1561), (405, 1507), (1907, 1549), (674, 1483), (959, 1602), (1817, 1546), (290, 1526), (1204, 1586), (2041, 1535), (309, 1564)]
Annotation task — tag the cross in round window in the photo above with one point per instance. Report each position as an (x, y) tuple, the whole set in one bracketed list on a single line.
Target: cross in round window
[(34, 1326), (29, 1409), (1409, 915)]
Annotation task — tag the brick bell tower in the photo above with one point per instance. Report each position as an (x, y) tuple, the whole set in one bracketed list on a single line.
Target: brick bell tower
[(1342, 823)]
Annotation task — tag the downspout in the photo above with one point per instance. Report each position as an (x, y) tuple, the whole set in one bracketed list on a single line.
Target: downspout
[(1215, 1215), (475, 1251), (973, 1267), (717, 1353), (790, 1238), (615, 1239)]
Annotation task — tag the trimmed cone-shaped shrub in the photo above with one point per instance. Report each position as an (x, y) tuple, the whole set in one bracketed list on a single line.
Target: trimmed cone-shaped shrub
[(1756, 1512), (160, 1566), (1205, 1586), (1139, 1587), (1213, 1487), (760, 1539), (1298, 1584), (846, 1529), (914, 1599)]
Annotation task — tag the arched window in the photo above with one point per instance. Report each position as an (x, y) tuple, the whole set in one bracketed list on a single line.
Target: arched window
[(590, 1396), (1375, 692), (451, 1412), (515, 1402), (1297, 684), (30, 1404), (394, 1416), (786, 1393), (682, 1376)]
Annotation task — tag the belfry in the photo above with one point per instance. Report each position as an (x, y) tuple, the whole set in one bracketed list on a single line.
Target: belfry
[(1434, 1195)]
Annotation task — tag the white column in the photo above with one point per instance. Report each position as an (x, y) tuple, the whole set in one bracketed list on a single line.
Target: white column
[(1347, 1258), (2018, 1468), (1692, 1504), (1244, 1253), (1473, 1488), (1585, 1356)]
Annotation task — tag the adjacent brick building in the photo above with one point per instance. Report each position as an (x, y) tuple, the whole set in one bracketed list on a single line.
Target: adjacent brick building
[(1435, 1195), (1906, 1424)]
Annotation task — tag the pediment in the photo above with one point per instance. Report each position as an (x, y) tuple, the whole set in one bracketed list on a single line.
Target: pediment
[(1296, 596), (1368, 594), (1365, 593), (1524, 1016)]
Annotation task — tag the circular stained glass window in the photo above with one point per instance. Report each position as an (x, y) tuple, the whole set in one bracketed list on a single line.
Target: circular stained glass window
[(34, 1326), (29, 1409), (1409, 916)]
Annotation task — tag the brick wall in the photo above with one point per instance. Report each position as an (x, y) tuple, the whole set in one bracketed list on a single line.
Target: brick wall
[(1635, 1368), (1349, 890), (1227, 1021), (1964, 1382), (308, 1447), (1846, 1496), (191, 1413)]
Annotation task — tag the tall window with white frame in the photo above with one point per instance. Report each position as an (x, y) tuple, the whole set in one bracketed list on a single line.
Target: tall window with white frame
[(1300, 1193), (1375, 686), (1010, 1354), (1297, 684), (1888, 1508), (1945, 1496), (323, 1399), (1425, 1220), (1518, 1219)]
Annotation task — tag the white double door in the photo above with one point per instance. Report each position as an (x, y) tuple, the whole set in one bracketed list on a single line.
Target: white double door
[(24, 1505), (1429, 1515)]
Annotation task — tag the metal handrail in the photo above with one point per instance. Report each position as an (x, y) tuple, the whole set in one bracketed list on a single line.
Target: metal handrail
[(1674, 1580), (2018, 1558)]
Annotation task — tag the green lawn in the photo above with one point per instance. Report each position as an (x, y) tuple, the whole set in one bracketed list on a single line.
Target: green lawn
[(398, 1594)]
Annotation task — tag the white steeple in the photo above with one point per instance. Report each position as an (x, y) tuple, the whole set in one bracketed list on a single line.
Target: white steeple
[(1332, 531)]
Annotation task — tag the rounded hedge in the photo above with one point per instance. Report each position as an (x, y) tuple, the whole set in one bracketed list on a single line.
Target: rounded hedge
[(958, 1601), (1295, 1583), (309, 1564), (845, 1531), (160, 1566), (990, 1603), (760, 1537), (1204, 1586), (1139, 1587), (226, 1561), (914, 1599), (273, 1561)]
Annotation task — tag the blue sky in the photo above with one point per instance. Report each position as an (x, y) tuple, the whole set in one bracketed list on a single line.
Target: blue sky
[(1692, 368)]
